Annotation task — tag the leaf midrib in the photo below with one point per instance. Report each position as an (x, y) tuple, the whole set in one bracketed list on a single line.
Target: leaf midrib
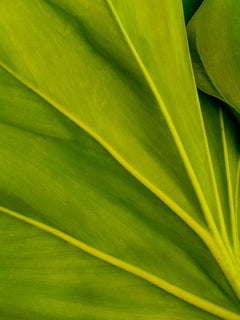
[(180, 212), (169, 121), (233, 213), (218, 248), (203, 234), (222, 243), (129, 268)]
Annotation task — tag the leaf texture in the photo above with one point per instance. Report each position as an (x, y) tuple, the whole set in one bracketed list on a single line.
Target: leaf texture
[(119, 191), (215, 45)]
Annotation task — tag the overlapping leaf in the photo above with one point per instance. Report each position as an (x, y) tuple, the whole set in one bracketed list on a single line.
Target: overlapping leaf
[(215, 44)]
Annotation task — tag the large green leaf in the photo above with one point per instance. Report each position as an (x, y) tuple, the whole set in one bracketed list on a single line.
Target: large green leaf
[(119, 192), (215, 44)]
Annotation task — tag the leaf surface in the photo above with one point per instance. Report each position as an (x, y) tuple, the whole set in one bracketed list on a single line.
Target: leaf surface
[(215, 45), (115, 203)]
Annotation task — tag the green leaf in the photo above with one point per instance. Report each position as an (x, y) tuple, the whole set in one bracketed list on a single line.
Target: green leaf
[(215, 45), (119, 192)]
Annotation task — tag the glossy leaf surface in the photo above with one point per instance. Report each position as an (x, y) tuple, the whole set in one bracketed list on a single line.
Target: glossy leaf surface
[(119, 192)]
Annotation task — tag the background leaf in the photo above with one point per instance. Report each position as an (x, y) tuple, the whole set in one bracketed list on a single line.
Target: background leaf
[(190, 7), (215, 45)]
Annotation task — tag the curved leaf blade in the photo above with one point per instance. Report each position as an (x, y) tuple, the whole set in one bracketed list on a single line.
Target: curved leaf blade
[(80, 172), (214, 38)]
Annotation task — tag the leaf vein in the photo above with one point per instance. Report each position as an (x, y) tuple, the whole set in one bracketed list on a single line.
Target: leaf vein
[(170, 123), (180, 212), (125, 266)]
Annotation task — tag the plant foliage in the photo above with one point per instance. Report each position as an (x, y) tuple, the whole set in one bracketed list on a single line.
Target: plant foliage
[(119, 184)]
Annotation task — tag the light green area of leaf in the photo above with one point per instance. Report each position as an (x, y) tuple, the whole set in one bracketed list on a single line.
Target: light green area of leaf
[(118, 191), (215, 42)]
